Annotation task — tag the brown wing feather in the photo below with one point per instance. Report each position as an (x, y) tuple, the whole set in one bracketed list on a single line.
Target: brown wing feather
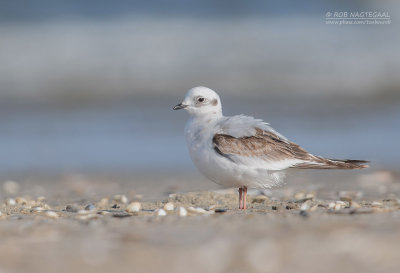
[(269, 145), (263, 143)]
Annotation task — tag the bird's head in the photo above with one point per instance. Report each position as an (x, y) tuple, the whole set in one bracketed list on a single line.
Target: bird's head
[(201, 101)]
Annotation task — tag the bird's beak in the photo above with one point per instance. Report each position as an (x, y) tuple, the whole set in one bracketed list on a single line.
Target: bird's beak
[(179, 106)]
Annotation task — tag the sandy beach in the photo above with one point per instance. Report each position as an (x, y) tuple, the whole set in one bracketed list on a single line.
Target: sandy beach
[(92, 224)]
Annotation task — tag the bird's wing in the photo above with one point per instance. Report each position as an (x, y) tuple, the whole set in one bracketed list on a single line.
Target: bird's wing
[(250, 141)]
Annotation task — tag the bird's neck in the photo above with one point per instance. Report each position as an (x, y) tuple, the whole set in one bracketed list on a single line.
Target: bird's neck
[(206, 118)]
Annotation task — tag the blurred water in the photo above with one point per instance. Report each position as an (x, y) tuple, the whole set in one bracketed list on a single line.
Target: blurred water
[(81, 59), (148, 135), (89, 86)]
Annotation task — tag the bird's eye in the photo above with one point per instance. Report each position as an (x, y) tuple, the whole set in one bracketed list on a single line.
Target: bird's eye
[(200, 99)]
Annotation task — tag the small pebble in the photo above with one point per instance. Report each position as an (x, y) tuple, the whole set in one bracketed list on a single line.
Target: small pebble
[(199, 210), (121, 199), (182, 211), (310, 195), (211, 207), (21, 201), (161, 212), (376, 204), (104, 212), (90, 207), (121, 214), (82, 211), (11, 202), (169, 206), (103, 203), (11, 187), (338, 205), (260, 199), (51, 214), (346, 198), (291, 206), (72, 208), (304, 213), (38, 208), (305, 206), (134, 207), (299, 196)]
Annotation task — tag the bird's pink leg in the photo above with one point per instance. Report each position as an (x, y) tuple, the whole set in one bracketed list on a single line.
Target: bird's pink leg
[(240, 198), (244, 198)]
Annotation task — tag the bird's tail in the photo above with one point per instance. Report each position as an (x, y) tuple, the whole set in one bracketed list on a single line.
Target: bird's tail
[(325, 163)]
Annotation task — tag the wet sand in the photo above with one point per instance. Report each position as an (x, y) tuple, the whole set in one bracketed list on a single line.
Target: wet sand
[(320, 222)]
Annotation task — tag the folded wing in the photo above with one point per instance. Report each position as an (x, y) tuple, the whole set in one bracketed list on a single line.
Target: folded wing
[(262, 147)]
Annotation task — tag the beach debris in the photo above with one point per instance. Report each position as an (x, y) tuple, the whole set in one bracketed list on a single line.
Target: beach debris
[(11, 202), (212, 207), (260, 199), (51, 214), (21, 201), (220, 210), (134, 207), (199, 210), (85, 211), (304, 213), (121, 214), (169, 206), (305, 206), (310, 195), (10, 187), (90, 207), (376, 204), (299, 195), (38, 208), (291, 206), (160, 212), (337, 205), (346, 198), (182, 212), (355, 205), (72, 208), (103, 202), (349, 196), (104, 212), (120, 198)]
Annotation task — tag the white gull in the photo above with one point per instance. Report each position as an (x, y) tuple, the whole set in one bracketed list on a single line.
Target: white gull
[(241, 151)]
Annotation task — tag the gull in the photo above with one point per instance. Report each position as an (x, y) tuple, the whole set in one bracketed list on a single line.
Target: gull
[(241, 151)]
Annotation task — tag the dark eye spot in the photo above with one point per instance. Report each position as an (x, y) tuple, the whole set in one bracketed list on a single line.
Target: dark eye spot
[(200, 99)]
